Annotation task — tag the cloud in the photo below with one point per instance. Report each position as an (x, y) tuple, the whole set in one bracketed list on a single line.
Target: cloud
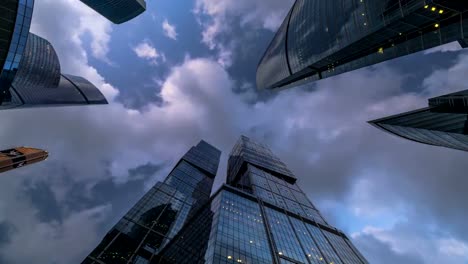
[(220, 19), (169, 30), (145, 50), (98, 151), (406, 243), (452, 46), (80, 20)]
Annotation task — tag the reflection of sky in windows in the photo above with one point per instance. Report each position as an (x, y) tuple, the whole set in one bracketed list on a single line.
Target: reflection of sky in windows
[(18, 43), (326, 38)]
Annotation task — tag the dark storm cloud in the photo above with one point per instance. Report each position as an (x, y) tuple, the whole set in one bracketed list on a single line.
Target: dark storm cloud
[(6, 230), (43, 199)]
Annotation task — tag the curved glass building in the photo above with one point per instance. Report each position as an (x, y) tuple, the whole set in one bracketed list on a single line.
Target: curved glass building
[(444, 123), (117, 11), (30, 68), (319, 39)]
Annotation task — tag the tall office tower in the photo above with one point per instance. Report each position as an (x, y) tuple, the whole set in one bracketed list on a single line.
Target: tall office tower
[(319, 39), (30, 69), (18, 157), (444, 123), (117, 11), (260, 216), (162, 211)]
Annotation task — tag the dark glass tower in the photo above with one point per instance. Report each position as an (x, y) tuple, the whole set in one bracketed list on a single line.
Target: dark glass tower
[(444, 123), (162, 211), (30, 73), (319, 39), (259, 216), (117, 11)]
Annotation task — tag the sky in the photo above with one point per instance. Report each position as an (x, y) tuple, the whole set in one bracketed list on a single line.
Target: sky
[(185, 71)]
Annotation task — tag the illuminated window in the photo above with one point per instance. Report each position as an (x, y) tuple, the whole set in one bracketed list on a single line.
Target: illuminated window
[(433, 9), (441, 11)]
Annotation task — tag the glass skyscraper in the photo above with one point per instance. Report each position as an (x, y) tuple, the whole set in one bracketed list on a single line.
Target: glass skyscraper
[(260, 216), (117, 11), (30, 69), (319, 39), (444, 123), (154, 220)]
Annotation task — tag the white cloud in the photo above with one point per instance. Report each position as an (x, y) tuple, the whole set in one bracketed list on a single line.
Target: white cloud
[(98, 143), (407, 240), (169, 30), (249, 14), (145, 50), (84, 21), (453, 247), (452, 46)]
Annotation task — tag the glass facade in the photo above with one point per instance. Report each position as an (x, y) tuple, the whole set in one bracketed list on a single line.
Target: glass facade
[(259, 216), (117, 11), (319, 39), (161, 213), (15, 18), (444, 123), (18, 157), (30, 74), (238, 224)]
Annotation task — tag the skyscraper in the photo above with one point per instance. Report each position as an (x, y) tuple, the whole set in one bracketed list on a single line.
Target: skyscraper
[(30, 73), (18, 157), (444, 123), (260, 216), (163, 210), (117, 11), (319, 39)]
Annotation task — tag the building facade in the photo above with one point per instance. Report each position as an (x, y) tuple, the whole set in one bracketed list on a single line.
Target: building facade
[(259, 216), (117, 11), (18, 157), (30, 73), (444, 123), (319, 39), (162, 211)]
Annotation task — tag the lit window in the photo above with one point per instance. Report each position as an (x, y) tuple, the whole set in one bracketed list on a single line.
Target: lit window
[(441, 11), (433, 9)]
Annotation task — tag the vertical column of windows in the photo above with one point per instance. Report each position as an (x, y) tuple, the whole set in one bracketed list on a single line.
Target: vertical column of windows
[(284, 236), (345, 252), (325, 247), (241, 236), (308, 243)]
